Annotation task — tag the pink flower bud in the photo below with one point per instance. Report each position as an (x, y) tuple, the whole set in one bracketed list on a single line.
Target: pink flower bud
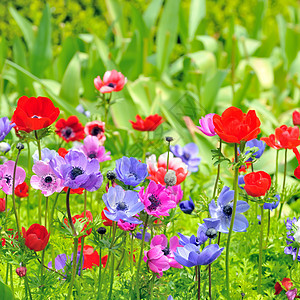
[(21, 271)]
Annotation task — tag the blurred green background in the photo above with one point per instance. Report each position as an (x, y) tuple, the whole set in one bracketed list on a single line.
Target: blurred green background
[(181, 58)]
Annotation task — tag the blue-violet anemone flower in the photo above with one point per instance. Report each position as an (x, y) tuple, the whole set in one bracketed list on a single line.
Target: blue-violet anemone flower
[(130, 171), (190, 255), (5, 127), (272, 205), (223, 211), (208, 230), (122, 205), (187, 206), (188, 155)]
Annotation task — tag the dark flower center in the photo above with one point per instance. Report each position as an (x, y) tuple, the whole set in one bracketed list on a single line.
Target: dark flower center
[(186, 156), (48, 179), (92, 155), (35, 117), (8, 179), (76, 171), (211, 233), (96, 130), (67, 132), (121, 206), (131, 174), (227, 210), (112, 85), (155, 203), (166, 251)]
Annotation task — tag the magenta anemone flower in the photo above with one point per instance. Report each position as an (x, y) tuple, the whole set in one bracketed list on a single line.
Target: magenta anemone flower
[(176, 192), (92, 149), (157, 199), (126, 226), (206, 125), (6, 176), (45, 179), (162, 241)]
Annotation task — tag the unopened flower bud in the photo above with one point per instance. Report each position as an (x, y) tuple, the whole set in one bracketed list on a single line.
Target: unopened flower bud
[(101, 230), (169, 139), (4, 147), (170, 178), (111, 175), (20, 146), (21, 271)]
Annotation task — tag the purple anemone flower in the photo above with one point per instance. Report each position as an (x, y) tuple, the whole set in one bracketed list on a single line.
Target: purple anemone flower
[(187, 206), (92, 149), (45, 179), (5, 127), (223, 211), (291, 294), (4, 147), (188, 155), (77, 171), (139, 235), (190, 255), (184, 240), (206, 125), (6, 176), (289, 250), (122, 205), (208, 230), (46, 155), (258, 144), (272, 205), (130, 171), (62, 261)]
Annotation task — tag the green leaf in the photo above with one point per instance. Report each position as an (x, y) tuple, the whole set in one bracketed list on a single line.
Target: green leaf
[(42, 52), (151, 13), (197, 13), (5, 292), (167, 33), (71, 82), (25, 26), (3, 53)]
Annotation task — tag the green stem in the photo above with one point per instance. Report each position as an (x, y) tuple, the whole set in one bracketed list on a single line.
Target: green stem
[(168, 156), (282, 199), (52, 212), (209, 281), (29, 186), (7, 271), (269, 225), (73, 268), (199, 282), (151, 287), (235, 185), (80, 262), (99, 278), (218, 173), (27, 288), (11, 279), (85, 200), (13, 192), (43, 252), (113, 261), (40, 158), (276, 170), (137, 280), (260, 249)]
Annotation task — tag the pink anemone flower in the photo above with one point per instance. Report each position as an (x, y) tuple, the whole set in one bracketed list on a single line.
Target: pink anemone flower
[(6, 176), (91, 149), (45, 179), (113, 81), (97, 129)]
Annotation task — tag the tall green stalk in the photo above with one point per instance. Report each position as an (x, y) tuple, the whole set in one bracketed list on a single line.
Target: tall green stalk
[(283, 184), (137, 278), (235, 188), (260, 249), (113, 261), (29, 171), (218, 174), (40, 158)]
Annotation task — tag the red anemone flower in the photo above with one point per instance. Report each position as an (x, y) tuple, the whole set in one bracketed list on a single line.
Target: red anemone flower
[(104, 260), (113, 81), (286, 283), (90, 257), (12, 235), (257, 183), (36, 237), (233, 126), (78, 191), (97, 129), (81, 217), (2, 204), (21, 190), (34, 113), (296, 117), (70, 130), (284, 138), (149, 124), (297, 170), (106, 221)]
